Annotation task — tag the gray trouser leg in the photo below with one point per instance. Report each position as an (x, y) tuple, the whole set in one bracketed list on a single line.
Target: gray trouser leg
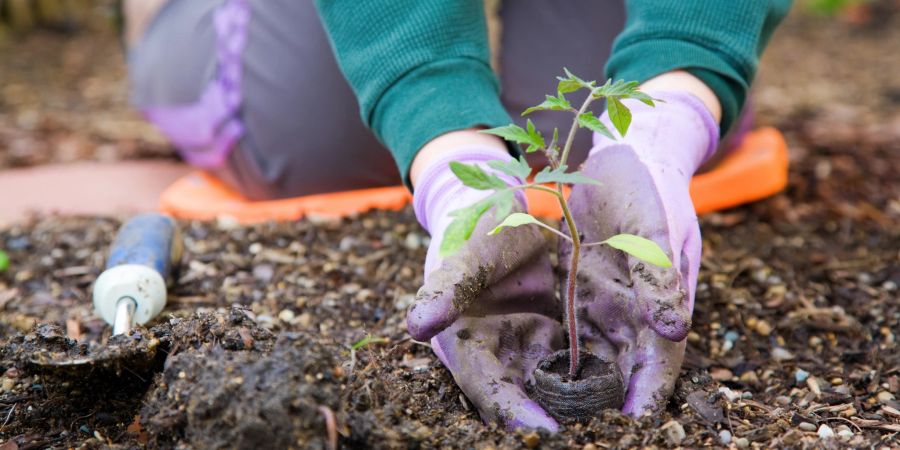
[(302, 130)]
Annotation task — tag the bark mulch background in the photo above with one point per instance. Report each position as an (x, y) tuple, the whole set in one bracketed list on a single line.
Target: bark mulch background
[(796, 321)]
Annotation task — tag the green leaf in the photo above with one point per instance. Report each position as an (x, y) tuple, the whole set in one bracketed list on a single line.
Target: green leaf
[(641, 248), (550, 104), (571, 83), (459, 230), (4, 261), (476, 178), (514, 133), (511, 132), (620, 88), (646, 99), (518, 168), (619, 115), (537, 140), (514, 220), (503, 201), (559, 175), (587, 120)]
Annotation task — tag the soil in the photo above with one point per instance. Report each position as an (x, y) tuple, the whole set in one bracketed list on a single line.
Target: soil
[(795, 325)]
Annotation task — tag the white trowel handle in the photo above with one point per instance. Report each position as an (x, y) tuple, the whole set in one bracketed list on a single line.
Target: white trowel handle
[(132, 289)]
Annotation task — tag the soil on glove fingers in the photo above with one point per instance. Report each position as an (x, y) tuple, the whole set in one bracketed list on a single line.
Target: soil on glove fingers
[(271, 328)]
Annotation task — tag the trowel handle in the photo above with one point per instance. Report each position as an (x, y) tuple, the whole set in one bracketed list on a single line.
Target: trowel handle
[(149, 240), (132, 289)]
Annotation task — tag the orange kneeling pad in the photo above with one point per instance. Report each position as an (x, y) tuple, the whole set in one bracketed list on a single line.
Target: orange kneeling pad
[(755, 170)]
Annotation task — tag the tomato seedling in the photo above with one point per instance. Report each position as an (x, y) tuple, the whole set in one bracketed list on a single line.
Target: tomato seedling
[(551, 180)]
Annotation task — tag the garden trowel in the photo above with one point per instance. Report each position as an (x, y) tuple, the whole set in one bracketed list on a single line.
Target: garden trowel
[(131, 290)]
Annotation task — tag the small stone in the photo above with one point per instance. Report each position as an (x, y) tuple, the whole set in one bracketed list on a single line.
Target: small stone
[(782, 400), (531, 440), (720, 374), (884, 397), (693, 338), (404, 301), (725, 437), (749, 377), (742, 442), (264, 272), (304, 320), (813, 386), (807, 426), (255, 248), (7, 384), (413, 241), (844, 433), (889, 286), (286, 315), (674, 432), (800, 376), (589, 446), (730, 395), (347, 243), (837, 381), (732, 336), (763, 328), (781, 354), (825, 432)]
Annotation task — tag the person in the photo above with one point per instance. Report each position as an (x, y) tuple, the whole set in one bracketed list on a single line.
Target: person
[(281, 98)]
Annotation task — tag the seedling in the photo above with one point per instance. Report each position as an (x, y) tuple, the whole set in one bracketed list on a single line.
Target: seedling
[(551, 180), (4, 261)]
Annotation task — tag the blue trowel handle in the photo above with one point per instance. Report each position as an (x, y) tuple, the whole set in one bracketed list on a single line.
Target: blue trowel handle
[(149, 240)]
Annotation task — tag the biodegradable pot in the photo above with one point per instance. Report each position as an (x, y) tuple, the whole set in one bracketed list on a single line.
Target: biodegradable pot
[(597, 386)]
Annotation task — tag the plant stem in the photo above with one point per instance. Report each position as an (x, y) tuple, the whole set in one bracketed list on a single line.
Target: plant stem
[(570, 290), (571, 137), (572, 281)]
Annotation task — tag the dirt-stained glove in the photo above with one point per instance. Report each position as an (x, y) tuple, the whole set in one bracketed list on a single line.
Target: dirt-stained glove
[(629, 311), (488, 308)]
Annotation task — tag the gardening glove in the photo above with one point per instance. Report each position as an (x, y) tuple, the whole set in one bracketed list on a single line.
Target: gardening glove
[(488, 309), (630, 311)]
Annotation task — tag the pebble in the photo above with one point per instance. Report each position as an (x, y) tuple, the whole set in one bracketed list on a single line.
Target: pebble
[(304, 320), (844, 433), (725, 437), (825, 432), (742, 442), (531, 440), (763, 328), (800, 376), (749, 377), (807, 426), (732, 336), (589, 446), (413, 241), (884, 397), (7, 384), (264, 272), (889, 286), (783, 400), (347, 243), (404, 301), (674, 432), (781, 354), (837, 381), (286, 315), (730, 395), (720, 374)]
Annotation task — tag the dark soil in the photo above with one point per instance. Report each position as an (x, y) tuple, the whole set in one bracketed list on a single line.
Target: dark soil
[(795, 327)]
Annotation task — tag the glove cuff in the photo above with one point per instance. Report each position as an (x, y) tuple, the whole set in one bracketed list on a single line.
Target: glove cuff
[(679, 124), (439, 192)]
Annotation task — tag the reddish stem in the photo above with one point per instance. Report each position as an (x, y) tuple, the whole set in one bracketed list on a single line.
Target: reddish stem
[(570, 311)]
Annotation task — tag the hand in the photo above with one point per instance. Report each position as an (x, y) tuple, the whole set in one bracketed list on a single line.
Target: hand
[(630, 311), (488, 309)]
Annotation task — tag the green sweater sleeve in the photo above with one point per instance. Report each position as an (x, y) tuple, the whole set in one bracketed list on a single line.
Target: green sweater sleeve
[(420, 68), (718, 41)]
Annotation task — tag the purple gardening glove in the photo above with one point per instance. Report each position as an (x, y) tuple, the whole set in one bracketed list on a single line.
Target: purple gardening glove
[(489, 308), (629, 311)]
